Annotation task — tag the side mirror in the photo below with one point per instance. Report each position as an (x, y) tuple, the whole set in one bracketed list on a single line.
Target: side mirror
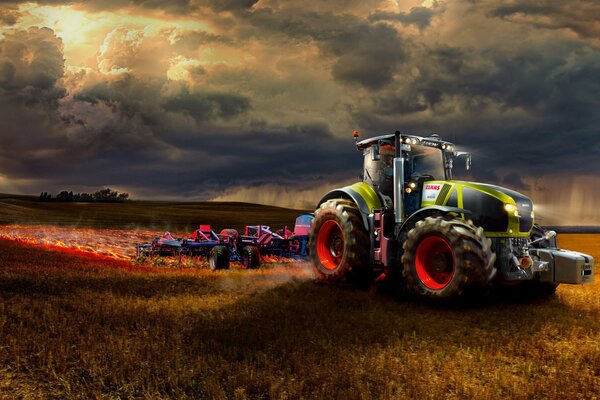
[(375, 155), (467, 157)]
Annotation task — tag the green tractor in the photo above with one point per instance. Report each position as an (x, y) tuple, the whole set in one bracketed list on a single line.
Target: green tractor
[(408, 222)]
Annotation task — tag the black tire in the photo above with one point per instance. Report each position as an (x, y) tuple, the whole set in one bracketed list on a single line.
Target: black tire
[(250, 257), (219, 258), (339, 244), (444, 256)]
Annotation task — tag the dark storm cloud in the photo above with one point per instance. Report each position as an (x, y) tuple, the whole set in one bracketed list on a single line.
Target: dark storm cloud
[(531, 106), (208, 106), (368, 65), (9, 15), (419, 16), (520, 78), (580, 16), (191, 40), (31, 66), (31, 58), (364, 53), (263, 92), (288, 156), (175, 7), (127, 108), (230, 5), (134, 131), (208, 164)]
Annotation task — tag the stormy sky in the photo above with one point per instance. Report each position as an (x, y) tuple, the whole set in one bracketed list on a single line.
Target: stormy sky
[(257, 100)]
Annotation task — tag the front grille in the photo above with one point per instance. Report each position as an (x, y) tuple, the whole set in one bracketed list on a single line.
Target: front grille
[(519, 246), (525, 220), (519, 243)]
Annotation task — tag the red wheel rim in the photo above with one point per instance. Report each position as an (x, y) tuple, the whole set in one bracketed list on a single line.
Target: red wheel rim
[(330, 244), (435, 262)]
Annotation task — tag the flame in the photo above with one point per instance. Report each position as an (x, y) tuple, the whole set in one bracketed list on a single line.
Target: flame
[(112, 243), (278, 259), (116, 244)]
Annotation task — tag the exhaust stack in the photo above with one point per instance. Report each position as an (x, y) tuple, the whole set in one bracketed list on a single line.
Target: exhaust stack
[(398, 179)]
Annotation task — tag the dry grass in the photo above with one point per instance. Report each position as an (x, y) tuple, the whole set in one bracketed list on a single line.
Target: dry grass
[(73, 327)]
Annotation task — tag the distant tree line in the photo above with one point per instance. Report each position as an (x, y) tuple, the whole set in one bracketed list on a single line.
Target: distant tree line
[(104, 196)]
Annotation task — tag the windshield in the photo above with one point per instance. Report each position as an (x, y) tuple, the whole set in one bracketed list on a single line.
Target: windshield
[(426, 161), (380, 173)]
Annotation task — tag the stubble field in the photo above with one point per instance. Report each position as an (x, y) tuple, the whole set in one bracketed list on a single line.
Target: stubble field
[(83, 326)]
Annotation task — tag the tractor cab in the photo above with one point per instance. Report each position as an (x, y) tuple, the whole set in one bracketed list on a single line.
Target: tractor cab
[(424, 159)]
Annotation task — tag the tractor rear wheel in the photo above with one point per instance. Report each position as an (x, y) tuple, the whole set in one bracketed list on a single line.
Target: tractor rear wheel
[(339, 244), (443, 257), (219, 258), (250, 257)]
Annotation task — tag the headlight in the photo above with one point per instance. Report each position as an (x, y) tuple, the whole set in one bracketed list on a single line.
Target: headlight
[(511, 209)]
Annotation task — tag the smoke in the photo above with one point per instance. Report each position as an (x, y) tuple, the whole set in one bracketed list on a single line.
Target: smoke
[(282, 196)]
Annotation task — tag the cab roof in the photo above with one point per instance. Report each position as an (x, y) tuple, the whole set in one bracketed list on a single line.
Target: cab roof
[(433, 140)]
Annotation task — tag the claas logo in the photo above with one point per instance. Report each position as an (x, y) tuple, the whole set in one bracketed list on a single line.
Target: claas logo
[(432, 187)]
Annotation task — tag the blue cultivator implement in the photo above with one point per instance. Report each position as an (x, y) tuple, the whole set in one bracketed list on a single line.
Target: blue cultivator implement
[(220, 249), (283, 243)]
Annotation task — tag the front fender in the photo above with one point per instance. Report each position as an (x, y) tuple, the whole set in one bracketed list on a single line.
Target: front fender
[(361, 194), (423, 212)]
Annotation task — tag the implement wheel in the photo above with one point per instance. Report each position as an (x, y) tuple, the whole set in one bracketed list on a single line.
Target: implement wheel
[(339, 244), (250, 257), (219, 258), (444, 257)]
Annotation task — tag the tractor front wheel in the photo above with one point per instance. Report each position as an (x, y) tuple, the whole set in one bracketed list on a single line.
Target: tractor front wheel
[(219, 258), (444, 257), (339, 244)]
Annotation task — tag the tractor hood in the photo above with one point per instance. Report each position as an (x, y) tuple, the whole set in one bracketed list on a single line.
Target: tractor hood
[(494, 190), (479, 197), (498, 210)]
